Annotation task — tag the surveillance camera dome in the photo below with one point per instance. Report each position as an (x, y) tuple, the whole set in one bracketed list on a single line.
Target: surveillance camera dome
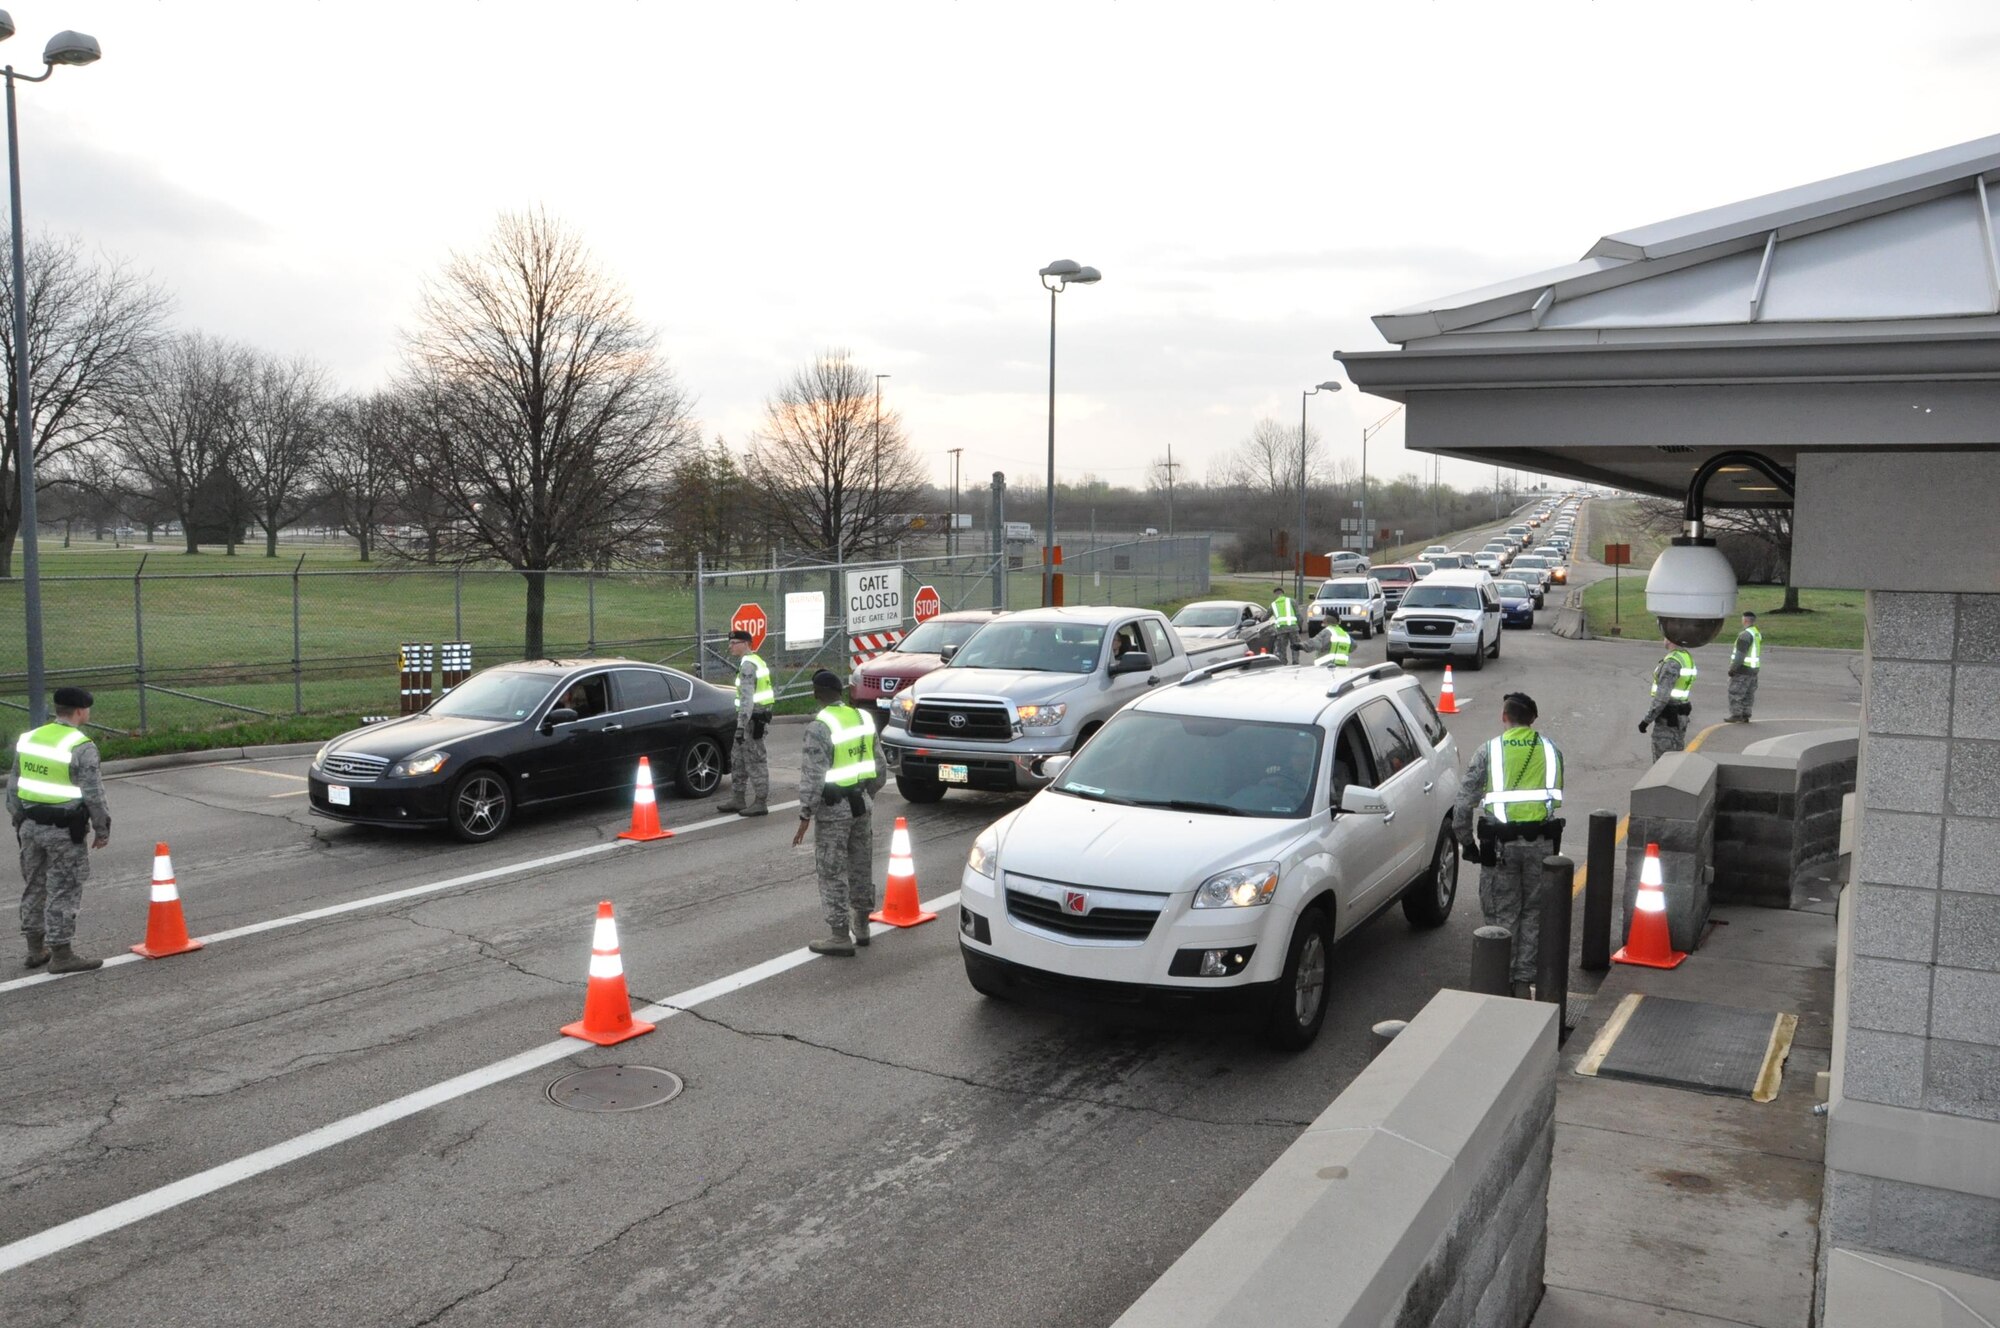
[(1691, 590)]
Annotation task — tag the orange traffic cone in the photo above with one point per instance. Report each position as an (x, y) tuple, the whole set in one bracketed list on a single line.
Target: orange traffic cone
[(1647, 940), (1447, 697), (166, 929), (607, 1009), (645, 809), (899, 897)]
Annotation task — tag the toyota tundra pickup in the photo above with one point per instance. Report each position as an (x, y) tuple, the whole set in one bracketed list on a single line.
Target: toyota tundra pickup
[(1027, 687)]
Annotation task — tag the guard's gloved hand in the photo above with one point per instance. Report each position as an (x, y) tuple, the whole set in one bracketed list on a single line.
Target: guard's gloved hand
[(1645, 724)]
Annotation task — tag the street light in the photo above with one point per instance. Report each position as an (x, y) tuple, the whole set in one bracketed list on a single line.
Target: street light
[(65, 48), (878, 436), (1065, 274), (1367, 535), (1299, 589)]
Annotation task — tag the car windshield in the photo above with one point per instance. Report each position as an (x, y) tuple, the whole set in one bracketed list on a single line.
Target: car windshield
[(1209, 615), (1033, 647), (1423, 595), (934, 636), (1396, 574), (494, 694), (1511, 589), (1344, 590), (1225, 767), (1530, 562)]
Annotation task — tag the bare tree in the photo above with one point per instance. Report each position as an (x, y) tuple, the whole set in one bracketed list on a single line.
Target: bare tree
[(1757, 540), (708, 506), (832, 482), (545, 402), (1267, 462), (280, 426), (356, 465), (175, 432), (90, 324)]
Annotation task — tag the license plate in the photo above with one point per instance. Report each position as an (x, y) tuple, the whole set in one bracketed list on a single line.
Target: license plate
[(882, 702), (951, 774), (339, 795)]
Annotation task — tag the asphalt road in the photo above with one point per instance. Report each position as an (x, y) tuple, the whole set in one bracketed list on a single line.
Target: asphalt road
[(859, 1141)]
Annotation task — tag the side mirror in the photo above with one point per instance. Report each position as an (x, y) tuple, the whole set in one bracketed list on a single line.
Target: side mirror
[(1132, 661), (1052, 766), (944, 655), (1363, 801), (560, 715)]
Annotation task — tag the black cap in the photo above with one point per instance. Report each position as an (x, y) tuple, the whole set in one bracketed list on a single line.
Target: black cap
[(73, 698), (826, 678), (740, 635)]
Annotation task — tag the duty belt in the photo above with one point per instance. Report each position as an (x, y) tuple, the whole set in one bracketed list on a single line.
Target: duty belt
[(1507, 832)]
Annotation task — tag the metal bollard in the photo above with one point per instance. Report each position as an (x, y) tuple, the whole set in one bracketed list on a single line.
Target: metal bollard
[(1598, 870), (1492, 955), (1552, 963), (1385, 1033)]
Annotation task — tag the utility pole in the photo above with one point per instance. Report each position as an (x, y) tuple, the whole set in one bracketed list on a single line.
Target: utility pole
[(951, 517), (1170, 489)]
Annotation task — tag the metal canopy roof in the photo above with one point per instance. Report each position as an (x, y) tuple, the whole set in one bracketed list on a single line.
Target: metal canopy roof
[(1861, 311)]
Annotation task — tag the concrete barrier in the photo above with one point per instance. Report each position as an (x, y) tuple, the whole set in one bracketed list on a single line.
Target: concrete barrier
[(1779, 815), (1420, 1196), (1570, 622), (1673, 805)]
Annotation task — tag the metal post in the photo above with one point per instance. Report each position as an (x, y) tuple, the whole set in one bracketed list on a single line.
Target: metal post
[(997, 540), (298, 684), (458, 603), (1596, 944), (1492, 953), (1049, 530), (1299, 552), (700, 643), (31, 566), (139, 637), (1552, 969), (590, 596)]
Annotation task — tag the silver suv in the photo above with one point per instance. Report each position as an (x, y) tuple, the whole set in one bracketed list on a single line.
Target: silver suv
[(1448, 615)]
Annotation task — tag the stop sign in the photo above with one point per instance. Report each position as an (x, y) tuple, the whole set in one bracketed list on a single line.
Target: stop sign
[(927, 604), (750, 618)]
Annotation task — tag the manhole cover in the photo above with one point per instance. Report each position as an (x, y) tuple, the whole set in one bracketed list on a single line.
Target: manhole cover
[(615, 1088)]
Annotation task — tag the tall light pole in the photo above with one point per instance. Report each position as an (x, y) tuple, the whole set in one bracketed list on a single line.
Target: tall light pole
[(951, 517), (1368, 535), (1299, 587), (65, 48), (878, 436), (1064, 274)]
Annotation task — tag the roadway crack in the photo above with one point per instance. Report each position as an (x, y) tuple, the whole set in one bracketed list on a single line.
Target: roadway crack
[(514, 1261), (487, 949), (708, 1187), (1081, 1099)]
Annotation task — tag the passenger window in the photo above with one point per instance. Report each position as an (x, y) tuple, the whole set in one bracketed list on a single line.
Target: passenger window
[(1158, 643), (586, 696), (638, 688), (1395, 749), (1428, 719), (1127, 640), (1351, 762)]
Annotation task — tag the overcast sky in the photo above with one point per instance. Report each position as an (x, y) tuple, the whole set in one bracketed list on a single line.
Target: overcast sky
[(1255, 178)]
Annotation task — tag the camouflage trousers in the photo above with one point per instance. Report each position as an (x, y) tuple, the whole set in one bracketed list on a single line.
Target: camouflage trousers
[(1510, 895), (844, 861), (55, 869), (1283, 645), (1669, 735), (1742, 693), (749, 772)]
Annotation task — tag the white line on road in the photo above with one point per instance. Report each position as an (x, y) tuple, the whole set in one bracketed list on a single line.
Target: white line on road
[(154, 1202), (396, 896)]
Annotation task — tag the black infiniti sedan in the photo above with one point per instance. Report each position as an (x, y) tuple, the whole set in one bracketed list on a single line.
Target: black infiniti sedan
[(521, 735)]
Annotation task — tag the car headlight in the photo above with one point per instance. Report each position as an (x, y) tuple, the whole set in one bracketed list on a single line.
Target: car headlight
[(1040, 716), (985, 855), (319, 757), (1239, 887), (428, 764), (905, 705)]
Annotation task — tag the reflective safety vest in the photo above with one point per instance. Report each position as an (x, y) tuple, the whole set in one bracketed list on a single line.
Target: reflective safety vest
[(1755, 659), (766, 694), (853, 737), (1523, 777), (41, 763), (1281, 612), (1683, 686), (1339, 645)]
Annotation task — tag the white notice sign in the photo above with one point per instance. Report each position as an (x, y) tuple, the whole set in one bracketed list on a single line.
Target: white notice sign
[(805, 619), (875, 600)]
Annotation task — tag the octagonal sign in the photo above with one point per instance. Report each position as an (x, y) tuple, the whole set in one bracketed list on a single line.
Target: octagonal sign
[(927, 605), (750, 618)]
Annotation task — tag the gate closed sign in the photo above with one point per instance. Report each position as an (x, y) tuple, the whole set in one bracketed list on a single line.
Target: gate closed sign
[(874, 600), (750, 618)]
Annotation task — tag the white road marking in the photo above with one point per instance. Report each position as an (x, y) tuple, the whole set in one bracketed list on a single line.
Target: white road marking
[(295, 793), (268, 774), (154, 1202), (396, 896)]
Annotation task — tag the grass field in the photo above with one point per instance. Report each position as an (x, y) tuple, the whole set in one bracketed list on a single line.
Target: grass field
[(1617, 522), (1833, 619)]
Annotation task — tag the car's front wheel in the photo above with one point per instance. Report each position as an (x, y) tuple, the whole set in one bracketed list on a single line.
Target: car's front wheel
[(919, 788), (481, 806), (1428, 901), (700, 768), (1298, 1006)]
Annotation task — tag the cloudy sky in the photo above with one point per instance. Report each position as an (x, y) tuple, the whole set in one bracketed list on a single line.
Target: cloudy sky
[(1255, 178)]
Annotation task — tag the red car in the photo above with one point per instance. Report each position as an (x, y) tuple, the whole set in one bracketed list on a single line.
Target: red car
[(876, 683)]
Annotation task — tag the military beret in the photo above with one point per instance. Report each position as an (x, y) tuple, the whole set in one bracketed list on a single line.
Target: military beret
[(740, 635), (826, 679), (73, 698)]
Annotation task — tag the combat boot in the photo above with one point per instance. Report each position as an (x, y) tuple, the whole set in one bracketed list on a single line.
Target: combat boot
[(1523, 991), (38, 953), (62, 959), (759, 810), (840, 944), (857, 923)]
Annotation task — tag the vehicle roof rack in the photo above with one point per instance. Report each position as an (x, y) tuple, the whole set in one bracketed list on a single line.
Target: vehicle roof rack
[(1207, 671), (1363, 677)]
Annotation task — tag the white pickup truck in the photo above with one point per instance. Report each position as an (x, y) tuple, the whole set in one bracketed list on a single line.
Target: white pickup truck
[(1026, 687)]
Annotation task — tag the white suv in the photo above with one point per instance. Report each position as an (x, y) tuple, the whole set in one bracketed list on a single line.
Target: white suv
[(1216, 837), (1448, 615)]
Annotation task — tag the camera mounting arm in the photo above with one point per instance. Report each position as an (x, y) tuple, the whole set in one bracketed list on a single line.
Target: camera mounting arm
[(1709, 469)]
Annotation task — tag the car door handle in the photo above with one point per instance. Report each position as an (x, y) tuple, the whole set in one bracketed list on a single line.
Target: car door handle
[(678, 714), (612, 728), (1429, 785), (1388, 817)]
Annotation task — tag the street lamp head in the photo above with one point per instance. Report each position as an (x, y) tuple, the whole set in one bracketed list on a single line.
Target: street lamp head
[(71, 48), (1062, 267), (1085, 276), (1327, 387), (6, 25)]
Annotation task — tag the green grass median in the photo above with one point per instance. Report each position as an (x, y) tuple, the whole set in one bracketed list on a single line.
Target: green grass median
[(1829, 619)]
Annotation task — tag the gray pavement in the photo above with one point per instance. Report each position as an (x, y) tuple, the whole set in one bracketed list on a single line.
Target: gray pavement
[(859, 1141)]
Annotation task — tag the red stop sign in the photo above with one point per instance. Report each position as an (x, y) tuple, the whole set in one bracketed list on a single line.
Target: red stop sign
[(750, 618), (927, 604)]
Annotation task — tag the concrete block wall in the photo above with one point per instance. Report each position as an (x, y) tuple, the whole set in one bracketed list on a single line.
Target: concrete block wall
[(1420, 1196), (1778, 815), (1674, 805)]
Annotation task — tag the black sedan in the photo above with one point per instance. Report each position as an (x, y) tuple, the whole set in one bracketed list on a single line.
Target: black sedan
[(522, 735)]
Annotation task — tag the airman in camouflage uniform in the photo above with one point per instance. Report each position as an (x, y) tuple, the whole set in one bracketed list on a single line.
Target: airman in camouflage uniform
[(1746, 666), (56, 795), (749, 765), (1673, 694), (1508, 825), (837, 782)]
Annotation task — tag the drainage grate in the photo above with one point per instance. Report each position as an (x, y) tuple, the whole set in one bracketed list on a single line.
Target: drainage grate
[(1692, 1044), (615, 1088)]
